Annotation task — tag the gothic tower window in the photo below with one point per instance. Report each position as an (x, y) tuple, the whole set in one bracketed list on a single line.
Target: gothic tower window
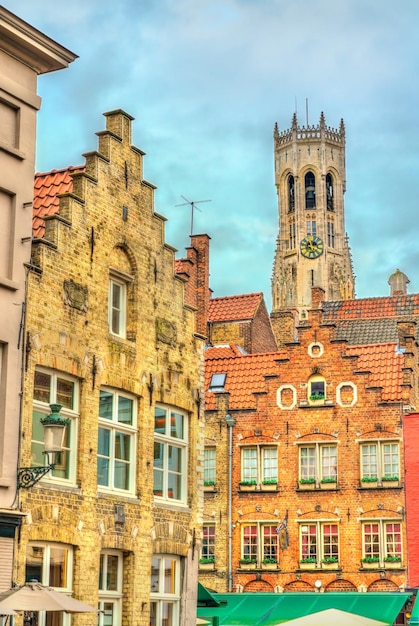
[(310, 190), (292, 236), (329, 193), (291, 194), (311, 227), (330, 234)]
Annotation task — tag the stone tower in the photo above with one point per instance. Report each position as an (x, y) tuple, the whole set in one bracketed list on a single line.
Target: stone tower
[(312, 246)]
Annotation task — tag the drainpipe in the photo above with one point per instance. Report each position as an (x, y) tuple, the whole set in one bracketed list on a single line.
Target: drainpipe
[(230, 421)]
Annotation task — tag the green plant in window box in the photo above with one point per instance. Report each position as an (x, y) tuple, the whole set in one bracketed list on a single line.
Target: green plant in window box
[(247, 561), (207, 560), (392, 559), (317, 396), (308, 559), (269, 481), (369, 479), (269, 559), (370, 559), (307, 481), (330, 559), (248, 483), (392, 478), (329, 479), (209, 483)]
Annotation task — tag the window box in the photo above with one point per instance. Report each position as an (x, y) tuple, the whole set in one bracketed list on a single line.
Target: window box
[(209, 486), (308, 564), (307, 483), (247, 563), (330, 563), (369, 483), (269, 486), (271, 566), (328, 484), (370, 563), (206, 564), (390, 481), (392, 562), (247, 486)]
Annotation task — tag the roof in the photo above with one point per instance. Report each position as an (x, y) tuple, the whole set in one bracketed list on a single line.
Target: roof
[(47, 188), (385, 362), (367, 331), (234, 308), (372, 308), (268, 609), (245, 375)]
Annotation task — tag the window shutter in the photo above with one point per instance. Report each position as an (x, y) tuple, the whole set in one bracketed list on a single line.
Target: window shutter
[(6, 563)]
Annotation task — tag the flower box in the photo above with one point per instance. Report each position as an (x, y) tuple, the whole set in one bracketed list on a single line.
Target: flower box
[(390, 483), (370, 564), (246, 565), (307, 486), (328, 485), (244, 487), (305, 565), (369, 484), (207, 566), (330, 565), (269, 486), (392, 564), (270, 566), (209, 487)]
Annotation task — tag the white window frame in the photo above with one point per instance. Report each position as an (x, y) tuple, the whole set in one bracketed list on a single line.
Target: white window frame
[(70, 446), (160, 597), (319, 536), (210, 456), (257, 550), (318, 469), (380, 460), (111, 597), (255, 464), (119, 309), (115, 428), (67, 589), (208, 541), (383, 528), (165, 443), (316, 379)]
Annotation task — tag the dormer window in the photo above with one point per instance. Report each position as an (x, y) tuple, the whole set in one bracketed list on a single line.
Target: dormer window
[(217, 382), (330, 202), (310, 190)]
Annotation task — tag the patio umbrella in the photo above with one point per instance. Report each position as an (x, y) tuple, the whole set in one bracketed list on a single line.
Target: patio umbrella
[(37, 597), (7, 612), (331, 617)]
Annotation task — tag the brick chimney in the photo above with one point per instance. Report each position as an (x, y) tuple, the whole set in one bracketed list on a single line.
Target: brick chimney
[(195, 269)]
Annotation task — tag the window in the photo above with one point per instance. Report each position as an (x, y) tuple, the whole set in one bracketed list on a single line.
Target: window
[(217, 382), (330, 203), (55, 388), (292, 237), (319, 541), (259, 464), (330, 234), (208, 542), (170, 454), (318, 463), (165, 591), (316, 389), (260, 542), (291, 194), (116, 440), (110, 588), (311, 227), (380, 460), (50, 564), (310, 190), (382, 540), (209, 466), (117, 307)]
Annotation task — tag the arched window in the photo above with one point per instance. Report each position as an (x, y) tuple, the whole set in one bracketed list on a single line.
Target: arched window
[(291, 194), (310, 190), (330, 202)]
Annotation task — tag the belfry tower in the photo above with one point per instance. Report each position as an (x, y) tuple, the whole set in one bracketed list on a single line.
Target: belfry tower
[(312, 246)]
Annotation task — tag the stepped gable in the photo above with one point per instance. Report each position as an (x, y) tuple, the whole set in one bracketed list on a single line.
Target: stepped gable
[(245, 375), (234, 308), (47, 188), (386, 363)]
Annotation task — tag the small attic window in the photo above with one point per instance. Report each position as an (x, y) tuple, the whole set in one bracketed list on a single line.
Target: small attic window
[(217, 382)]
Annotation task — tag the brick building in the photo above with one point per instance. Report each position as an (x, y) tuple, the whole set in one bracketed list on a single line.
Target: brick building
[(313, 437), (110, 338)]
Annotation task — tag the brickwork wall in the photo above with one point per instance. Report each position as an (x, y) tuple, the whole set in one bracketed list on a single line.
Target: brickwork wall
[(411, 446), (350, 502), (109, 222)]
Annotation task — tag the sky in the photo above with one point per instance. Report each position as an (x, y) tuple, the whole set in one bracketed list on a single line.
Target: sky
[(206, 80)]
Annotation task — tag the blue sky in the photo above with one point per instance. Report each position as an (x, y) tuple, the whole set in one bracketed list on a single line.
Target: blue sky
[(206, 80)]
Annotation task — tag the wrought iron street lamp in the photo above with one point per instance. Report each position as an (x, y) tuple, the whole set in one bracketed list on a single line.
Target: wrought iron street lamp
[(54, 428)]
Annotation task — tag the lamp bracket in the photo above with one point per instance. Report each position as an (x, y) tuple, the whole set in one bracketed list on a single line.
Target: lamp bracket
[(29, 476)]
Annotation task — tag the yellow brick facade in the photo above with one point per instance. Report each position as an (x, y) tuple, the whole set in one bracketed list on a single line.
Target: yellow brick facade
[(108, 227)]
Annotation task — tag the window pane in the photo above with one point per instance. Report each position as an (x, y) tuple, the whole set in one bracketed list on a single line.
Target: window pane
[(107, 615), (308, 541), (269, 463), (159, 420), (176, 425), (308, 462), (330, 540), (34, 563), (105, 404), (270, 542), (112, 572), (329, 461), (42, 387), (37, 447), (65, 393), (391, 459), (125, 410), (393, 539), (371, 540), (58, 567), (250, 542), (209, 465), (208, 542), (158, 469), (369, 460), (169, 575), (250, 467)]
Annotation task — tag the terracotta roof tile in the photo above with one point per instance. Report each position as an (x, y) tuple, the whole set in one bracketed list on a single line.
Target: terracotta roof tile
[(367, 331), (385, 363), (235, 308), (224, 351), (245, 375), (47, 187), (384, 307)]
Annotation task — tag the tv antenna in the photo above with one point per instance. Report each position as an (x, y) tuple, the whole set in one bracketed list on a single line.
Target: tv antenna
[(192, 204)]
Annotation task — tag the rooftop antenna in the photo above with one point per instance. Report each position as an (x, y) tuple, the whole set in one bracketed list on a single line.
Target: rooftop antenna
[(192, 204)]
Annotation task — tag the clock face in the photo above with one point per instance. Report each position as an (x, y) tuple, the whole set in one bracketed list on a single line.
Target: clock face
[(311, 247)]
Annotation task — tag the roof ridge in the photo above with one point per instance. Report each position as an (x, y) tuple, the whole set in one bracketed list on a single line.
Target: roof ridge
[(69, 168)]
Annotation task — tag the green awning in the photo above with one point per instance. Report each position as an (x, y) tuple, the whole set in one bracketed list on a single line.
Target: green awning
[(414, 618), (205, 597), (268, 609)]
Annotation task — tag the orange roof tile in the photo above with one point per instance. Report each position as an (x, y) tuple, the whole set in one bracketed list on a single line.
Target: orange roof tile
[(385, 364), (223, 351), (235, 308), (245, 375), (372, 308), (48, 186)]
